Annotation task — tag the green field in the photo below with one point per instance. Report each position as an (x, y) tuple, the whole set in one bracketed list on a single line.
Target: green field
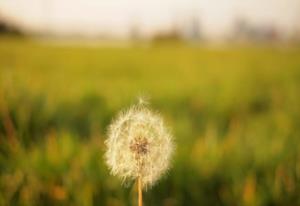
[(234, 112)]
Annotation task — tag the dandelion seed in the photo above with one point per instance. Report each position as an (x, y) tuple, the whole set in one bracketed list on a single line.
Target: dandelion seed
[(139, 146)]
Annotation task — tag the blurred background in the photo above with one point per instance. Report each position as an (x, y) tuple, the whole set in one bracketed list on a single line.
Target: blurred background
[(225, 74)]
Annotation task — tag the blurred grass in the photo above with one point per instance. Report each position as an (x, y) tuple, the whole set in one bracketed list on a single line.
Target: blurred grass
[(234, 112)]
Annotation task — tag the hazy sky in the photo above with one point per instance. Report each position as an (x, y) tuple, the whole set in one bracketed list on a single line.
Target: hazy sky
[(106, 16)]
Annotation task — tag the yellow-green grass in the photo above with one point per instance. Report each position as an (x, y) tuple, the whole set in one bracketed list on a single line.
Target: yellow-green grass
[(234, 111)]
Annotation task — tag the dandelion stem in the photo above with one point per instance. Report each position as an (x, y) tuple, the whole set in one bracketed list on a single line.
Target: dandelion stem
[(140, 191)]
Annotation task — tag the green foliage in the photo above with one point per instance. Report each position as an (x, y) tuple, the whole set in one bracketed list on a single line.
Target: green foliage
[(234, 112)]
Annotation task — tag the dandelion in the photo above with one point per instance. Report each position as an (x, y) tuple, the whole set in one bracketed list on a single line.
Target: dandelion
[(139, 146)]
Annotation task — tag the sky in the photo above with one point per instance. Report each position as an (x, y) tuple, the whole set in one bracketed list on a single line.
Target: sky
[(216, 17)]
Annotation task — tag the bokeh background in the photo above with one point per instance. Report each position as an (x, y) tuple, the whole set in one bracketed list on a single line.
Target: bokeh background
[(224, 74)]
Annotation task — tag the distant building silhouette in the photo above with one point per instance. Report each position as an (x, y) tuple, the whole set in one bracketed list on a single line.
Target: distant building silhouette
[(134, 32), (192, 29), (245, 31)]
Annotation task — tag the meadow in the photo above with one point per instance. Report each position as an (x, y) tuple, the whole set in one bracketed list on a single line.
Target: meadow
[(234, 112)]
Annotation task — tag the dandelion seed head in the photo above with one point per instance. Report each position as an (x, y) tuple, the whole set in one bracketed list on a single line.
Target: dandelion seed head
[(138, 145)]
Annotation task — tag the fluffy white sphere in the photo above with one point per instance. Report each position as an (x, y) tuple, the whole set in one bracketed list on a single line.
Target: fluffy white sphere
[(139, 145)]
